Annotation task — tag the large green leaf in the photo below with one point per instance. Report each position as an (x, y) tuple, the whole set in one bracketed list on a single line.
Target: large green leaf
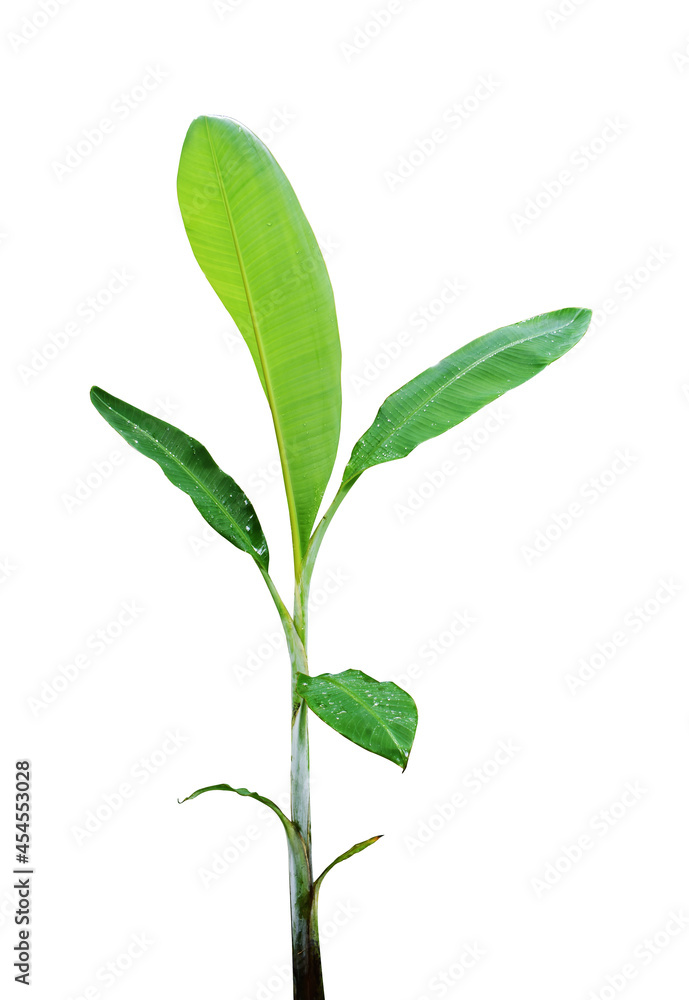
[(462, 383), (377, 715), (255, 246), (187, 464)]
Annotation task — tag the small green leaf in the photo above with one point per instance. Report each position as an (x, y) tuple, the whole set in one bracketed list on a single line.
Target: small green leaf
[(462, 383), (187, 464), (343, 857), (240, 791), (294, 839), (376, 715)]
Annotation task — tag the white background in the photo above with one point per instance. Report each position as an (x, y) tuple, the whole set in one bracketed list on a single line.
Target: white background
[(341, 110)]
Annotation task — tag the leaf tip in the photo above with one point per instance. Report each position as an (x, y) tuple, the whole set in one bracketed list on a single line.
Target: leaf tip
[(580, 317)]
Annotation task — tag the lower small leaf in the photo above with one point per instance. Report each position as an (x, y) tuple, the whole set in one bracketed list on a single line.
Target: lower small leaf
[(293, 837), (361, 846)]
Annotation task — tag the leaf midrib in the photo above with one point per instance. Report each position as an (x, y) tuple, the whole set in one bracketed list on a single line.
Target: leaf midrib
[(289, 488), (188, 472), (457, 377)]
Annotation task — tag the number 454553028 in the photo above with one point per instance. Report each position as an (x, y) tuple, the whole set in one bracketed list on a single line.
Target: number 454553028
[(21, 813)]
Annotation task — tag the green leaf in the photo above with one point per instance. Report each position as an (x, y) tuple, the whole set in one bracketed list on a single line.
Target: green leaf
[(293, 837), (187, 464), (343, 857), (462, 383), (240, 791), (377, 715), (250, 236)]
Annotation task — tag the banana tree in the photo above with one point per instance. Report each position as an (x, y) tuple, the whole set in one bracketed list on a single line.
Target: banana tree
[(253, 243)]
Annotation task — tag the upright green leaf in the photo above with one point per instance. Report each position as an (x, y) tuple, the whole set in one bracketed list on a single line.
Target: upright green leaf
[(376, 715), (187, 464), (462, 383), (361, 846), (255, 246)]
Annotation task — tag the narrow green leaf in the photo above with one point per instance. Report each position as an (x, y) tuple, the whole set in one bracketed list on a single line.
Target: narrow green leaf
[(293, 837), (250, 236), (377, 715), (187, 464), (343, 857), (462, 383), (240, 791)]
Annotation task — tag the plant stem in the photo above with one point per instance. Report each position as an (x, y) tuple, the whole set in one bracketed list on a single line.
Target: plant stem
[(317, 538), (306, 952)]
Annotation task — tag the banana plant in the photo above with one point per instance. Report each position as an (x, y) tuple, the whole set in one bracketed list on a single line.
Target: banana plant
[(253, 243)]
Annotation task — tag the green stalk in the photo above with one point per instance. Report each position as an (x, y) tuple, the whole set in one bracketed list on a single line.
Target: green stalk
[(306, 953), (315, 543)]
